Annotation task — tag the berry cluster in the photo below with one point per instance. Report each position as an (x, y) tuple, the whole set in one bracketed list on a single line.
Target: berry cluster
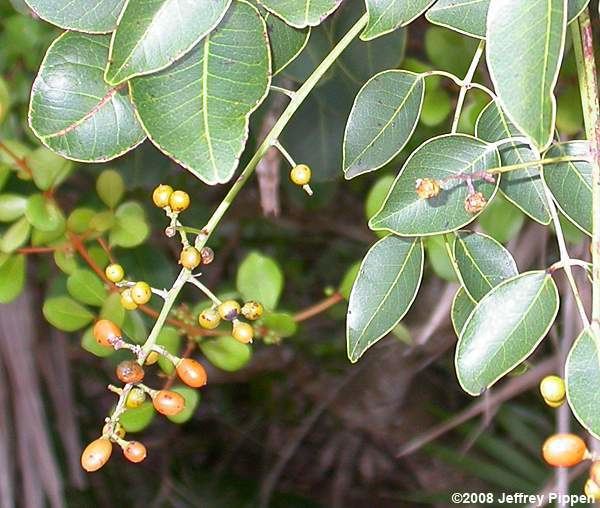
[(230, 310)]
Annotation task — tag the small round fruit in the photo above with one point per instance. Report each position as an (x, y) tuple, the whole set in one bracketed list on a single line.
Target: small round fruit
[(136, 398), (252, 310), (152, 358), (141, 293), (168, 403), (106, 332), (427, 188), (190, 257), (595, 472), (564, 450), (300, 174), (554, 405), (96, 454), (592, 490), (191, 372), (209, 319), (208, 255), (127, 301), (553, 389), (129, 371), (229, 310), (135, 451), (114, 273), (242, 332), (179, 201), (161, 195), (475, 202)]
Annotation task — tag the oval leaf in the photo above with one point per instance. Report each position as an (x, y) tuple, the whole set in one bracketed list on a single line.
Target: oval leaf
[(12, 206), (387, 15), (260, 278), (197, 110), (110, 187), (73, 110), (85, 286), (386, 286), (226, 353), (48, 169), (12, 277), (15, 236), (504, 329), (462, 306), (44, 214), (286, 42), (301, 13), (371, 141), (525, 43), (192, 399), (66, 314), (137, 419), (443, 158), (464, 16)]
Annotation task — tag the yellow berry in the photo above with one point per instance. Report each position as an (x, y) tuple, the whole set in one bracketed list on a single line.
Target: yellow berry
[(553, 389), (161, 195), (152, 358), (300, 174), (127, 300), (242, 332), (136, 398), (190, 257), (427, 188), (114, 273), (592, 490), (229, 310), (252, 310), (141, 293), (179, 201), (209, 319)]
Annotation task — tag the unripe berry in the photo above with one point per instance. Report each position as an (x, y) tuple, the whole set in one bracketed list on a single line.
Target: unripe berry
[(135, 398), (592, 490), (152, 358), (427, 188), (129, 371), (300, 174), (134, 451), (209, 319), (229, 310), (127, 301), (208, 255), (475, 202), (114, 273), (106, 332), (96, 454), (141, 293), (161, 195), (190, 257), (242, 332), (252, 310), (553, 389), (595, 472), (564, 450), (168, 403), (191, 372), (179, 201)]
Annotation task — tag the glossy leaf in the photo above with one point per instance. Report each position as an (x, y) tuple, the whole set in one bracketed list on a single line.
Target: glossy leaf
[(226, 353), (197, 110), (192, 399), (464, 16), (571, 183), (44, 214), (73, 110), (152, 34), (524, 188), (386, 286), (383, 118), (15, 236), (462, 306), (387, 15), (66, 314), (85, 286), (286, 42), (12, 277), (260, 278), (504, 329), (442, 158), (12, 206), (525, 43), (301, 13), (137, 419)]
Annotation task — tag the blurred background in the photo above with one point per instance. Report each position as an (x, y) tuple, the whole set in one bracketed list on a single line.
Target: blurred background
[(289, 422)]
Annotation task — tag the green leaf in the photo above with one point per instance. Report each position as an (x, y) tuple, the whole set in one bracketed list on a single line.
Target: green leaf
[(279, 324), (79, 220), (525, 43), (386, 286), (138, 418), (226, 353), (110, 187), (85, 286), (130, 227), (90, 344), (582, 377), (152, 34), (4, 100), (436, 107), (441, 158), (12, 277), (501, 220), (112, 309), (446, 50), (92, 16), (524, 188), (197, 110), (462, 306), (170, 339), (66, 314), (439, 260), (465, 16), (12, 206), (348, 280), (504, 329), (571, 183), (301, 13), (260, 278), (44, 214), (134, 327), (15, 236), (73, 110), (192, 399), (383, 118), (286, 42), (48, 169), (5, 173), (387, 15), (482, 263), (66, 261)]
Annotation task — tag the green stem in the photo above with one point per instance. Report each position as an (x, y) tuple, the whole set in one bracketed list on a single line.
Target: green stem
[(213, 298), (466, 84), (541, 162)]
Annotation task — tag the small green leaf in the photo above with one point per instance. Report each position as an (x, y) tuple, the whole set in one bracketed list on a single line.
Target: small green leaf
[(436, 107), (134, 327), (386, 286), (286, 42), (92, 16), (15, 236), (85, 286), (226, 353), (138, 418), (348, 280), (170, 339), (66, 261), (444, 158), (301, 13), (462, 306), (110, 187), (387, 15), (504, 329), (112, 309), (44, 214), (12, 206), (12, 277), (437, 255), (130, 228), (260, 278), (280, 324), (192, 399), (4, 100), (66, 314), (90, 344), (464, 16), (79, 220), (48, 169)]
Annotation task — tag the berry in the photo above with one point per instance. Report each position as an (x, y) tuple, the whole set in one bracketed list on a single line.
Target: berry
[(190, 257), (141, 293), (242, 332), (564, 450), (127, 301), (595, 472), (179, 201), (114, 273), (549, 403), (136, 398), (152, 358), (208, 255), (229, 310), (168, 403), (209, 319), (106, 332), (134, 451), (161, 195), (252, 310), (475, 202), (300, 174), (427, 188), (553, 389), (592, 490), (129, 371), (96, 454), (191, 372)]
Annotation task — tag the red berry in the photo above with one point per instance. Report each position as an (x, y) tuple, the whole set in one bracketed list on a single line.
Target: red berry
[(191, 372), (96, 454), (129, 371), (168, 403)]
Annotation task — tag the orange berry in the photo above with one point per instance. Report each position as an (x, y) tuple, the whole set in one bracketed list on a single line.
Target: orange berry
[(191, 372), (564, 450), (106, 332), (96, 454), (179, 201), (168, 403), (135, 451), (161, 195), (190, 257), (129, 371)]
